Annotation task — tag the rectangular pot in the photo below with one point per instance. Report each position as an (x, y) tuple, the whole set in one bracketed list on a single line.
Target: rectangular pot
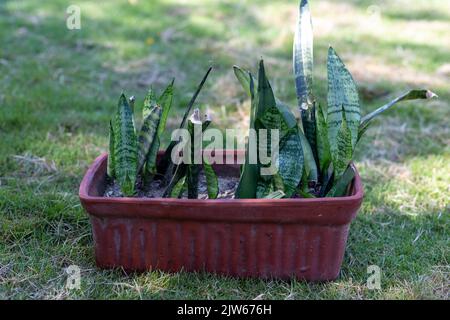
[(267, 238)]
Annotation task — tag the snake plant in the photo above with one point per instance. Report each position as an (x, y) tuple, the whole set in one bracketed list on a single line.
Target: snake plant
[(186, 175), (315, 153), (133, 153)]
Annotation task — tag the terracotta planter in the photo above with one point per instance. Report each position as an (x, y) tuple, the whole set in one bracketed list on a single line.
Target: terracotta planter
[(301, 238)]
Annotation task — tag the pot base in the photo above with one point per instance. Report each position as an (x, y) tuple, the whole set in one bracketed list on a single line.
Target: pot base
[(265, 238)]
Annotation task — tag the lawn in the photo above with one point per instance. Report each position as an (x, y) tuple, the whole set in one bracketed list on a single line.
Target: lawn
[(59, 87)]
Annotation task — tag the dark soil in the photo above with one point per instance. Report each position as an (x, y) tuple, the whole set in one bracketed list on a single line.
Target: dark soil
[(227, 188)]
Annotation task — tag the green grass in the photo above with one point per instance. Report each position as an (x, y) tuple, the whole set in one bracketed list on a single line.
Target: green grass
[(58, 89)]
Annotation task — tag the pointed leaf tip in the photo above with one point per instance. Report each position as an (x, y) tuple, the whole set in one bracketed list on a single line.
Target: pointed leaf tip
[(261, 63)]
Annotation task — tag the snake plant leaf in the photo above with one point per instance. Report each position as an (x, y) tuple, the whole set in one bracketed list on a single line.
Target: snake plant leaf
[(111, 154), (287, 114), (179, 188), (264, 115), (341, 186), (344, 152), (275, 195), (180, 173), (363, 129), (273, 119), (248, 182), (266, 98), (410, 95), (165, 102), (308, 160), (327, 181), (342, 95), (243, 78), (303, 56), (291, 163), (194, 97), (303, 72), (303, 189), (323, 145), (165, 161), (150, 169), (150, 102), (305, 194), (147, 135), (283, 108), (309, 127), (193, 170), (268, 117), (277, 181), (264, 187), (132, 101), (125, 147), (212, 183)]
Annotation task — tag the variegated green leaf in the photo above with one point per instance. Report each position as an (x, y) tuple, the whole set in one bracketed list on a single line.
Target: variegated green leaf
[(303, 71), (308, 160), (132, 100), (309, 127), (125, 147), (147, 135), (212, 183), (244, 79), (344, 152), (111, 154), (277, 181), (150, 162), (273, 119), (165, 102), (287, 114), (323, 145), (410, 95), (193, 170), (270, 113), (276, 195), (362, 129), (303, 57), (341, 186), (342, 95), (266, 99), (291, 163), (179, 188), (180, 173), (303, 190), (150, 102), (263, 188)]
